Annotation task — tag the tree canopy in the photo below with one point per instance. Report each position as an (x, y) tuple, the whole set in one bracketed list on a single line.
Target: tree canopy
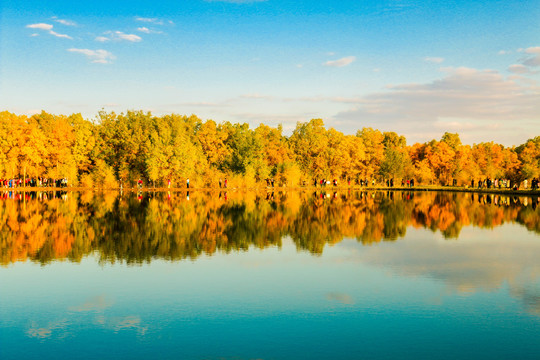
[(122, 148)]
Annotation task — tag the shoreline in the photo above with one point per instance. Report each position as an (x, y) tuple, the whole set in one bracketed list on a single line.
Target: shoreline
[(420, 188)]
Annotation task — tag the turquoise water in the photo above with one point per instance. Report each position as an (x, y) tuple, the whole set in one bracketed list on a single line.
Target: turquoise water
[(420, 291)]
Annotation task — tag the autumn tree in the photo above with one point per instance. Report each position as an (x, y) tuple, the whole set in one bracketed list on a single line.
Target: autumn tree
[(396, 157), (374, 153), (309, 143), (529, 155)]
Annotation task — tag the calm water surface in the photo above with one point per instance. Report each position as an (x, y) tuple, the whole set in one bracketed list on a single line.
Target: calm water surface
[(296, 275)]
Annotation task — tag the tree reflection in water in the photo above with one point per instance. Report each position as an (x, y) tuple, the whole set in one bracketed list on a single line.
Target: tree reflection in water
[(45, 226)]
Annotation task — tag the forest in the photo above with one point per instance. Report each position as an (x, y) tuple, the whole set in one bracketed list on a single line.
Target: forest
[(115, 149)]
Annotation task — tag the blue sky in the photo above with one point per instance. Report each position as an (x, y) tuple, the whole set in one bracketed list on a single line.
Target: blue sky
[(418, 68)]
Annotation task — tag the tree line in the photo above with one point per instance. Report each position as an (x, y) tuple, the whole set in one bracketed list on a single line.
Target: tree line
[(122, 148)]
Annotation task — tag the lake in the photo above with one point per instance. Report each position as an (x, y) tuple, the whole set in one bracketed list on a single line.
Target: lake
[(269, 275)]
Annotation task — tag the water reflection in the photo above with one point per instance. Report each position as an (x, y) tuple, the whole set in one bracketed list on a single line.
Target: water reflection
[(136, 228)]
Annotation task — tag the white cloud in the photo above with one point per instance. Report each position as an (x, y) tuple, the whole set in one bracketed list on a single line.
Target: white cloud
[(66, 22), (482, 97), (533, 50), (148, 31), (129, 37), (434, 60), (60, 35), (150, 20), (49, 29), (341, 62), (34, 35), (534, 56), (503, 52), (519, 69), (118, 36), (532, 61), (237, 1), (96, 56), (41, 26), (146, 19)]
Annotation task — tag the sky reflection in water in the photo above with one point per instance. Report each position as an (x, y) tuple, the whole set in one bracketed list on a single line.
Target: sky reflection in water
[(356, 275)]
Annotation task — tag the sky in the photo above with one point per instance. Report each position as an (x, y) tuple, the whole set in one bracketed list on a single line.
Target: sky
[(419, 68)]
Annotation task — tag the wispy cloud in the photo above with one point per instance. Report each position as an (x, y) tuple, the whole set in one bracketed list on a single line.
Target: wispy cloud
[(118, 36), (146, 30), (60, 35), (154, 21), (519, 69), (149, 20), (237, 1), (341, 62), (533, 56), (65, 22), (99, 56), (434, 60), (129, 37), (49, 29)]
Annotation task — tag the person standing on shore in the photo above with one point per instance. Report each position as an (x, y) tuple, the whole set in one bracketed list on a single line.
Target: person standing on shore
[(188, 183)]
